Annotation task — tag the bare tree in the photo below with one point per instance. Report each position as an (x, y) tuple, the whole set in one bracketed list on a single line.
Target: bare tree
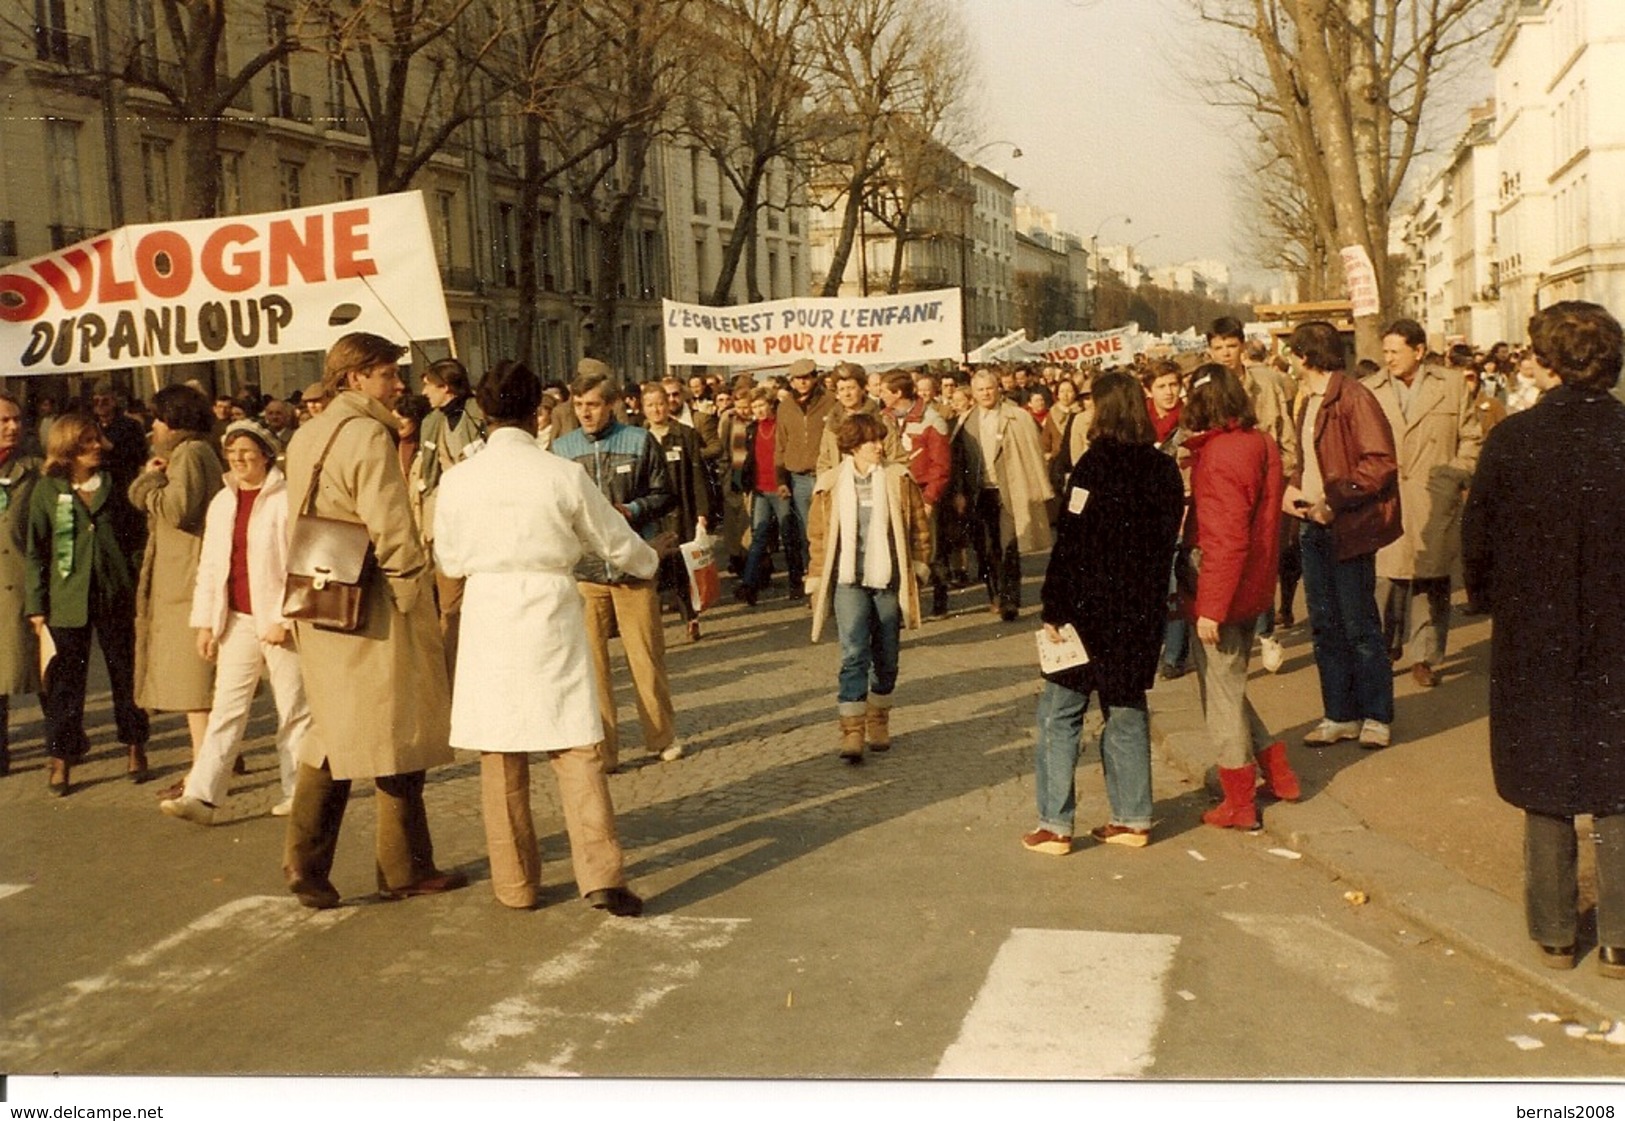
[(918, 147), (747, 108), (199, 85), (611, 122), (420, 71), (1348, 83), (873, 66)]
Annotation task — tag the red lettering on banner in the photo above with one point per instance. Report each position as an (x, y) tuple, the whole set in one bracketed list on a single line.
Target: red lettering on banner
[(73, 297), (169, 248), (349, 241), (110, 290), (21, 299), (305, 254), (244, 270)]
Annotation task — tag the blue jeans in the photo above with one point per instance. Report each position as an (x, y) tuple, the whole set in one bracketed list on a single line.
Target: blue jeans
[(766, 511), (1175, 633), (1125, 756), (869, 623), (801, 490), (1356, 678)]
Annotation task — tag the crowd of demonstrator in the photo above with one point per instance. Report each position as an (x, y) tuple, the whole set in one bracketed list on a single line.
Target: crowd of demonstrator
[(514, 528)]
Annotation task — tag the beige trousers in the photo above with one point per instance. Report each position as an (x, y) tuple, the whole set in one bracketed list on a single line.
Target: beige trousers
[(635, 608), (510, 833)]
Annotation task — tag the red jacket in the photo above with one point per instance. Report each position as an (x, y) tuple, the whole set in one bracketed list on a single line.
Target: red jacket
[(1355, 449), (1236, 488), (924, 436)]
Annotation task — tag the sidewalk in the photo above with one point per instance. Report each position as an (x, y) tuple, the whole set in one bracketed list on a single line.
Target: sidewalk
[(1418, 827)]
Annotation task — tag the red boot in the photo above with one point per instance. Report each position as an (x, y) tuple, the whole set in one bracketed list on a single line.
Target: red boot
[(1238, 810), (1279, 778)]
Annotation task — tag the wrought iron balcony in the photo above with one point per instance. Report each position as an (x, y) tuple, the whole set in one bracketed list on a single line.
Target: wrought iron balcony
[(53, 44)]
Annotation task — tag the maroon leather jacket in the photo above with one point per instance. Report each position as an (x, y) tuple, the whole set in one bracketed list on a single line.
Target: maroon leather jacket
[(1355, 449)]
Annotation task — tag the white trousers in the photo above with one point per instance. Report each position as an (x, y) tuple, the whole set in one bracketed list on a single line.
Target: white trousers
[(242, 660)]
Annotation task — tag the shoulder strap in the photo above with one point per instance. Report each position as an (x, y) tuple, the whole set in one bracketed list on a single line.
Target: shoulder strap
[(309, 504)]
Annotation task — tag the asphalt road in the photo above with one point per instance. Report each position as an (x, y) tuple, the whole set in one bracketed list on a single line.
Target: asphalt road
[(806, 920)]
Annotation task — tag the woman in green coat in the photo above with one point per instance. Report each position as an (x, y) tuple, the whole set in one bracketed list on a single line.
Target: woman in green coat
[(79, 581), (19, 649)]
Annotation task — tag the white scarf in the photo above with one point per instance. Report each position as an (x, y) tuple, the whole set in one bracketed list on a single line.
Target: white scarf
[(877, 556)]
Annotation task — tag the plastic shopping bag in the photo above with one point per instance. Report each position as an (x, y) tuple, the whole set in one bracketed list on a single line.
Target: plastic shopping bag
[(704, 585)]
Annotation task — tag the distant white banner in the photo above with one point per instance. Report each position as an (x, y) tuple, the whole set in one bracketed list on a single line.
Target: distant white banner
[(1362, 280), (911, 327), (253, 284), (1105, 348)]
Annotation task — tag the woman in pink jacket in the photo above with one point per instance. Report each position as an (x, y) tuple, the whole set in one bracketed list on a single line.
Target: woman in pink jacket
[(1232, 536)]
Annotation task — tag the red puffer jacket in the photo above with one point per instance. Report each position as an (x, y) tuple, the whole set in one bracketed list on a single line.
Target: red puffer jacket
[(1235, 520)]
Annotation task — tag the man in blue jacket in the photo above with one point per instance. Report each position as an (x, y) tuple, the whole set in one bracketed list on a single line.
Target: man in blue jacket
[(629, 468)]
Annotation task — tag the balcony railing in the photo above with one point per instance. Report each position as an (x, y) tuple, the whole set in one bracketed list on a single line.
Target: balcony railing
[(53, 44), (291, 106), (345, 119), (67, 235), (8, 238), (150, 71), (460, 279)]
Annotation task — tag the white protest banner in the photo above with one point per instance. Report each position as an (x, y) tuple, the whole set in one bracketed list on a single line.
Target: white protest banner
[(910, 327), (1362, 279), (1108, 348), (277, 283)]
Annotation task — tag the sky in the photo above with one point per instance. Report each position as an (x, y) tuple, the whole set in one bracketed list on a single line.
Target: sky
[(1094, 93)]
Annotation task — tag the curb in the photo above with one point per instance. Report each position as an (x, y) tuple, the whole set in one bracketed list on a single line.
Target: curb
[(1474, 919)]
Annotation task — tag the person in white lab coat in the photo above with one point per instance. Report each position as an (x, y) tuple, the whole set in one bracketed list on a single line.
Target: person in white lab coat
[(514, 520)]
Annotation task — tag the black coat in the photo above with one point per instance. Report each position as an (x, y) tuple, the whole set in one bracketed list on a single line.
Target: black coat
[(1108, 572), (1543, 545)]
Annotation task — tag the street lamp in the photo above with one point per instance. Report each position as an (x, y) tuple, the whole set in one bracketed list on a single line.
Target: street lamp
[(1094, 263), (965, 208)]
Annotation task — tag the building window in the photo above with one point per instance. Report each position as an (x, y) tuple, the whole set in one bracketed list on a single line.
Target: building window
[(443, 226), (289, 180), (502, 247), (231, 183), (699, 266), (62, 152), (772, 276), (155, 178), (582, 256), (276, 31), (347, 186), (548, 245)]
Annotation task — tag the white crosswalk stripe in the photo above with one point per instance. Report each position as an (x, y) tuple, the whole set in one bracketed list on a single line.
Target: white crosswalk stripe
[(92, 1015), (12, 889), (634, 965), (1317, 951), (1065, 1004)]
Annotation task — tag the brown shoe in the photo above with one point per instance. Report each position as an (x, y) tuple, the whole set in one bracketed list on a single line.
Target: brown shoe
[(433, 885), (317, 894), (1426, 676), (1050, 844), (1110, 834), (617, 901)]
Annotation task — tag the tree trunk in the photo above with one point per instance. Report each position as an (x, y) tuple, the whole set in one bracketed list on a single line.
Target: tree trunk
[(849, 232), (528, 217), (743, 235)]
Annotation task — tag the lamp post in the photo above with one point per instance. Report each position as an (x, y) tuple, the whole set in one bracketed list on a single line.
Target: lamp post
[(965, 212), (1094, 268)]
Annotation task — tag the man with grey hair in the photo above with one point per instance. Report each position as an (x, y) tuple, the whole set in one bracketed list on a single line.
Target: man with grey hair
[(1000, 485)]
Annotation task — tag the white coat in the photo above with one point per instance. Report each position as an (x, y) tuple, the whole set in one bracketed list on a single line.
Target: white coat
[(267, 557), (514, 520)]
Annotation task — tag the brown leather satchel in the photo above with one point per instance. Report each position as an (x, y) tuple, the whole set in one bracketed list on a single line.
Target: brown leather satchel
[(329, 561)]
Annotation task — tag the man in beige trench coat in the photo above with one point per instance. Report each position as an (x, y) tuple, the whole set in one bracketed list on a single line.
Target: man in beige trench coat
[(1437, 436), (379, 697)]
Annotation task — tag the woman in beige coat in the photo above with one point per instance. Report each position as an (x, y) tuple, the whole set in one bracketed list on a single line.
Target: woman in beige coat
[(870, 542), (19, 648), (174, 490), (379, 697)]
